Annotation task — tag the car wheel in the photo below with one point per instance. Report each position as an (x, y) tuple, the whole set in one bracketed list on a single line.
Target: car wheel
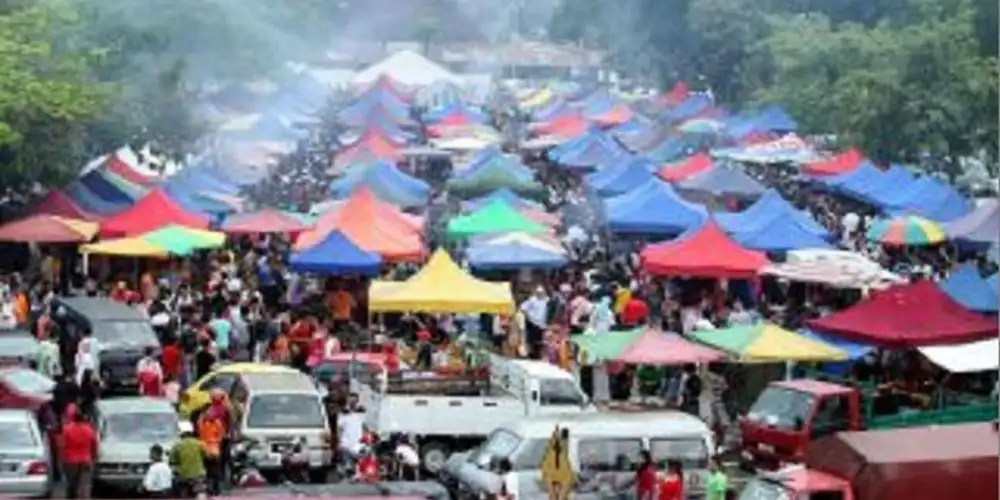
[(433, 456)]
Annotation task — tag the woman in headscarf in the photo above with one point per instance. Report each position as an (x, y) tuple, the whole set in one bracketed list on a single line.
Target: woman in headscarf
[(603, 317)]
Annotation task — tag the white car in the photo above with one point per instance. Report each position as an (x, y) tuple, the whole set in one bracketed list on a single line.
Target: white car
[(24, 455)]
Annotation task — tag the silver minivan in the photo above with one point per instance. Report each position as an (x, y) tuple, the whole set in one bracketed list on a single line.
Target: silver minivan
[(604, 449), (278, 412)]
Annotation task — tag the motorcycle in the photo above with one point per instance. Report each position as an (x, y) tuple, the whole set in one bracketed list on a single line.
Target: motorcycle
[(243, 467)]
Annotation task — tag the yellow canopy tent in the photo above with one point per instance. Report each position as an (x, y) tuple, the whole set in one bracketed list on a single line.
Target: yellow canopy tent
[(125, 247), (538, 99), (441, 286), (768, 343)]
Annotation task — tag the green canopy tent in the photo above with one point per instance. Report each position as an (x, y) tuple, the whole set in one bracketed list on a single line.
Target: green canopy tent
[(499, 171), (495, 218), (180, 240)]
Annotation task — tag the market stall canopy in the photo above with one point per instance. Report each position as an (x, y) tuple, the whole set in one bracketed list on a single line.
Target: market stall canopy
[(441, 286), (762, 148), (513, 256), (882, 188), (904, 316), (180, 240), (497, 217), (702, 252), (854, 350), (387, 182), (409, 68), (622, 176), (126, 247), (503, 194), (968, 288), (979, 356), (336, 255), (907, 230), (643, 346), (60, 204), (688, 167), (267, 220), (929, 198), (724, 180), (492, 171), (833, 268), (48, 229), (152, 212), (769, 207), (372, 225), (589, 150), (653, 208), (840, 164), (546, 242), (981, 226), (768, 343), (782, 234)]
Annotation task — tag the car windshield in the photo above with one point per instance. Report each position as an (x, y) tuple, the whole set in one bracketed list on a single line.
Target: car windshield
[(141, 427), (16, 435), (782, 407), (123, 332), (692, 452), (29, 381), (285, 410), (560, 392), (499, 445), (759, 489)]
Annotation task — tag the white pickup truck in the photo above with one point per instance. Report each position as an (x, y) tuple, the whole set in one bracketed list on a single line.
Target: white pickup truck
[(449, 414)]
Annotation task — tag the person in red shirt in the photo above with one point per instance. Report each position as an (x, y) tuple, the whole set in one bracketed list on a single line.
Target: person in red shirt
[(367, 469), (78, 443), (635, 312), (171, 360), (391, 356), (645, 477), (672, 484)]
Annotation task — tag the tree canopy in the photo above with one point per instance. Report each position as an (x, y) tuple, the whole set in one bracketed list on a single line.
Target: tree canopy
[(905, 80)]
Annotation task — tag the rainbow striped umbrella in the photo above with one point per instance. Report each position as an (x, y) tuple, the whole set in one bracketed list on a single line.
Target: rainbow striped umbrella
[(907, 230)]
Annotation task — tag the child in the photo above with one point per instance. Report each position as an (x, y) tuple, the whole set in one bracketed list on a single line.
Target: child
[(159, 480)]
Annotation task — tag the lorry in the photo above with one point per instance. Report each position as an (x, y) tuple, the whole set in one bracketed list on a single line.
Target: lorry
[(457, 412), (790, 414), (951, 461)]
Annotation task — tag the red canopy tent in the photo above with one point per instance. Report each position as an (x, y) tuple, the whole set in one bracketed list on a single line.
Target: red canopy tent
[(655, 347), (910, 315), (152, 212), (709, 252), (688, 167), (119, 167), (568, 126), (374, 142), (617, 115), (374, 130), (59, 203), (840, 164), (263, 221), (676, 95), (46, 228)]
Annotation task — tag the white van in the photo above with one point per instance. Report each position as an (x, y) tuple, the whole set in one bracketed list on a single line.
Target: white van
[(279, 411), (604, 450), (450, 414)]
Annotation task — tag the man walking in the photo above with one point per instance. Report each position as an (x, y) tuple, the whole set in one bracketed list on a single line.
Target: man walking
[(79, 447)]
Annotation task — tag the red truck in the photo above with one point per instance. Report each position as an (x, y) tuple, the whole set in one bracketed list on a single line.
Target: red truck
[(789, 415), (953, 461)]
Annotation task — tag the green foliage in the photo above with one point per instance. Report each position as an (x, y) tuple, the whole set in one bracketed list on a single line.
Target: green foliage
[(899, 78)]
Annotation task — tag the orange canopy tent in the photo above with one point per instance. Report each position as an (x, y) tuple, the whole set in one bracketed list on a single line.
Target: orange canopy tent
[(154, 211), (374, 142), (840, 164), (707, 252), (688, 167), (371, 225), (617, 115), (267, 220), (374, 130), (567, 126)]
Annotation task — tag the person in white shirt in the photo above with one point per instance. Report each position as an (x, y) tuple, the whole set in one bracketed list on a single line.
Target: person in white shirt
[(350, 428), (159, 478), (86, 357), (509, 485), (408, 458)]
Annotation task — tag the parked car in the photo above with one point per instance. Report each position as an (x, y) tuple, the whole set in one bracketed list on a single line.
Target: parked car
[(18, 347), (24, 455), (129, 427), (223, 378), (24, 389)]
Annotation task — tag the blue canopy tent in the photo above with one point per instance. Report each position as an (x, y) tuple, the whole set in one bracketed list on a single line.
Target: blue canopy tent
[(669, 150), (930, 198), (782, 234), (270, 127), (854, 351), (980, 228), (555, 109), (770, 119), (90, 202), (372, 100), (589, 150), (769, 207), (689, 108), (653, 208), (725, 180), (512, 256), (891, 181), (503, 194), (968, 288), (202, 178), (623, 176), (387, 182), (851, 182), (493, 159), (336, 255), (634, 127), (435, 115), (104, 189), (993, 281)]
